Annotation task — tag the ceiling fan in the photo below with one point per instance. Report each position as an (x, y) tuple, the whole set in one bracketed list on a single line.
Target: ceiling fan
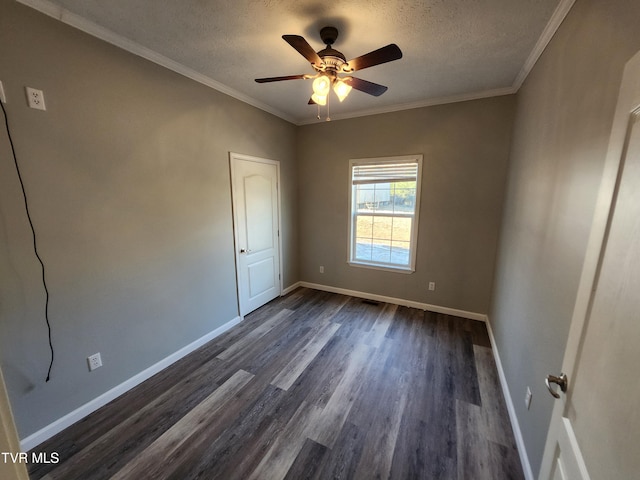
[(331, 65)]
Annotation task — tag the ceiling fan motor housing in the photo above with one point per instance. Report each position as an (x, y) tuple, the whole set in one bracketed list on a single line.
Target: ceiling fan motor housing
[(332, 59), (329, 35)]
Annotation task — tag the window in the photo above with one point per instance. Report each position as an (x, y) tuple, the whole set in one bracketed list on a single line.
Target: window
[(384, 199)]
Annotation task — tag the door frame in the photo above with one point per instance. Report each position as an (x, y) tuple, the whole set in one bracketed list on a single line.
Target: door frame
[(627, 105), (9, 441), (239, 156)]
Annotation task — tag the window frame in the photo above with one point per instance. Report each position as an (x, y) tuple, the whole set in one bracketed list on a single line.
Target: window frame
[(353, 214)]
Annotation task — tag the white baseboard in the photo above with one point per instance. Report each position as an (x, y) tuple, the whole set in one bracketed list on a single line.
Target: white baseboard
[(396, 301), (522, 451), (79, 413), (291, 288)]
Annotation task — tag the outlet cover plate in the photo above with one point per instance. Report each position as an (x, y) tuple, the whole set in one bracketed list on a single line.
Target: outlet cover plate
[(35, 98), (94, 361)]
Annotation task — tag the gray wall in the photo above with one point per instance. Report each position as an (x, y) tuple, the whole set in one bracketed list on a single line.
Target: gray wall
[(564, 115), (465, 147), (127, 175)]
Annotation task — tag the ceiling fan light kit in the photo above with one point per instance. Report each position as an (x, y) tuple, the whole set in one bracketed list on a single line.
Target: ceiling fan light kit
[(341, 89), (329, 64)]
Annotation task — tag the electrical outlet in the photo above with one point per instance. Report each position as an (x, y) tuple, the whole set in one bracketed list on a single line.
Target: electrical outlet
[(321, 269), (3, 98), (94, 361), (527, 398), (432, 286), (35, 98)]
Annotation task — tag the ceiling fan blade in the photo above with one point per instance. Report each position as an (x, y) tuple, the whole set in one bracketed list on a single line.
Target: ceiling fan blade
[(382, 55), (365, 86), (303, 48), (279, 79)]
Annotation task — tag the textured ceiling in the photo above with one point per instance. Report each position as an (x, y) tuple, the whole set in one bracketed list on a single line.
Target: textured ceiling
[(453, 49)]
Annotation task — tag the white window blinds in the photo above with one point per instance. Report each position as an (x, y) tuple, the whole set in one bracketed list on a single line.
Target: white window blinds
[(385, 173)]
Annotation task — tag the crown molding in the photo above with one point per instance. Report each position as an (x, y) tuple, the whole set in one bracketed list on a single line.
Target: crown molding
[(496, 92), (549, 31), (91, 28), (95, 30)]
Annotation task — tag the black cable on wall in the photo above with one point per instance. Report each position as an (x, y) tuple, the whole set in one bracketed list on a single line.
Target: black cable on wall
[(33, 232)]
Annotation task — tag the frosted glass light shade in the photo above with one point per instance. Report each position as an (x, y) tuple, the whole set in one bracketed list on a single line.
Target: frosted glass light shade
[(342, 89), (321, 86), (319, 99)]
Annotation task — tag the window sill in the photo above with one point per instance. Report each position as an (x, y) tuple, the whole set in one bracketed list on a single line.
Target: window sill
[(386, 268)]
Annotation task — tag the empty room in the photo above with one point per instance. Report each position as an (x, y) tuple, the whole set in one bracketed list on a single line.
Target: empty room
[(326, 240)]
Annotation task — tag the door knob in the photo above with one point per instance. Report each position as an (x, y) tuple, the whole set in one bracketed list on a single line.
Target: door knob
[(561, 381)]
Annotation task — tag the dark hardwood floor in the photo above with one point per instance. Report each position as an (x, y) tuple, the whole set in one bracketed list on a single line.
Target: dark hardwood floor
[(313, 385)]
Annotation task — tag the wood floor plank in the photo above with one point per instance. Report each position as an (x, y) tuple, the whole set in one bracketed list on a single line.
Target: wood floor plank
[(218, 457), (254, 335), (331, 307), (81, 435), (278, 460), (466, 374), (312, 385), (271, 351), (255, 445), (496, 425), (381, 389), (331, 418), (357, 316), (382, 435), (294, 368), (430, 408), (479, 333), (505, 462), (133, 434), (272, 356), (416, 344), (149, 462), (345, 455), (324, 373), (473, 448), (308, 462), (376, 334), (399, 327)]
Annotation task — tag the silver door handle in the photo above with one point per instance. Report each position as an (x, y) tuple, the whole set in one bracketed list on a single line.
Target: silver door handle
[(242, 250), (562, 381)]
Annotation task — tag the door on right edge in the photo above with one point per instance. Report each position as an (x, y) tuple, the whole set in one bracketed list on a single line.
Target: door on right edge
[(595, 427)]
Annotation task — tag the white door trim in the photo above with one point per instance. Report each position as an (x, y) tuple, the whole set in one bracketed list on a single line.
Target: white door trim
[(239, 156), (9, 439), (628, 103)]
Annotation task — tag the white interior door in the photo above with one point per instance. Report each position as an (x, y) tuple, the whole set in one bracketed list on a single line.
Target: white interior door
[(256, 216), (595, 427)]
